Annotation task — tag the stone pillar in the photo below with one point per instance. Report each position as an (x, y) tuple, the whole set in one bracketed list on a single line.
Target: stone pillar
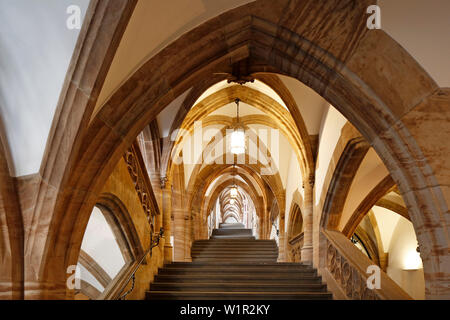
[(166, 191), (281, 242), (307, 249)]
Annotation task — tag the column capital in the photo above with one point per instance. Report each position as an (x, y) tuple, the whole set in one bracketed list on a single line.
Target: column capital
[(163, 180), (311, 181)]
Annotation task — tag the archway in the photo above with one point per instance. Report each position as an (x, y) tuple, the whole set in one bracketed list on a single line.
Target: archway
[(333, 60)]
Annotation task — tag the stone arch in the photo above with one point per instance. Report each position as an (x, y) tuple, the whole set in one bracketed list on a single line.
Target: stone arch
[(394, 207), (194, 93), (218, 190), (266, 78), (122, 226), (343, 174), (11, 229), (208, 203), (204, 177), (283, 118), (383, 187), (295, 225), (329, 51)]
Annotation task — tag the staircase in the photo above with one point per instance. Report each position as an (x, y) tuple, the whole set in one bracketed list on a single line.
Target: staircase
[(232, 265)]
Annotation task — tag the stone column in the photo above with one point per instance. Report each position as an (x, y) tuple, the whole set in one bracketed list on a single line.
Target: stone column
[(282, 241), (166, 190), (307, 249)]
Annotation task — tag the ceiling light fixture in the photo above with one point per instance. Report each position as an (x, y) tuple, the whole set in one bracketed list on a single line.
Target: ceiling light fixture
[(238, 135), (233, 192)]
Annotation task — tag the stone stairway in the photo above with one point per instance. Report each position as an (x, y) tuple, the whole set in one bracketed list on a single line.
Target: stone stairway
[(232, 231), (232, 265)]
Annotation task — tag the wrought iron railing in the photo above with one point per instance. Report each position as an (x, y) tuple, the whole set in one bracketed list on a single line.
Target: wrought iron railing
[(132, 277)]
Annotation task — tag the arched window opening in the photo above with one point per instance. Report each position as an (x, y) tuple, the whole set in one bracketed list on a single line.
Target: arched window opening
[(109, 245)]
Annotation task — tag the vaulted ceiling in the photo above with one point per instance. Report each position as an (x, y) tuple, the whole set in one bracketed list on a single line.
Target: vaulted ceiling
[(36, 49)]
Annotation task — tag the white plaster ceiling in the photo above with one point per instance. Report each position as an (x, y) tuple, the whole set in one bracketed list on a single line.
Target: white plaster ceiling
[(332, 123), (230, 110), (311, 105), (35, 52), (387, 222), (256, 85), (422, 27), (370, 172), (395, 197), (153, 25)]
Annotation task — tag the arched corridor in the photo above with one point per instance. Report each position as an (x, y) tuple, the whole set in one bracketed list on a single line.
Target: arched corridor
[(280, 138)]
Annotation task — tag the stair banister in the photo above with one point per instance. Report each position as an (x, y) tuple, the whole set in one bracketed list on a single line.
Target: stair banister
[(347, 265)]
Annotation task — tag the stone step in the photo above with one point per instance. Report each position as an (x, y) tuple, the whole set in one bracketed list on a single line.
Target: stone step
[(235, 241), (256, 278), (224, 236), (238, 259), (241, 255), (237, 287), (234, 252), (236, 268), (237, 264), (231, 226), (216, 295), (233, 232), (238, 248), (249, 271), (278, 265)]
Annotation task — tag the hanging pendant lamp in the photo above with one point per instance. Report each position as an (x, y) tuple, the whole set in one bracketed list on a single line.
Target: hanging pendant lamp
[(238, 135)]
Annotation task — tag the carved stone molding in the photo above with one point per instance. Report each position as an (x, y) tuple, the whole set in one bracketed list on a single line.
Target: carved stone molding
[(163, 181), (240, 73), (350, 280), (311, 181), (348, 266), (295, 247), (138, 174)]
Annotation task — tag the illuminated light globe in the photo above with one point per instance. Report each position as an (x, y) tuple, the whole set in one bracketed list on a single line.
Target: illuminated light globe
[(238, 141), (412, 261), (232, 201), (233, 192)]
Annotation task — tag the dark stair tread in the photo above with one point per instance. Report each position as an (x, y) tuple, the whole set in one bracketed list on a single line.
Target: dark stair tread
[(242, 272), (248, 268), (262, 276), (238, 286), (238, 264), (207, 295)]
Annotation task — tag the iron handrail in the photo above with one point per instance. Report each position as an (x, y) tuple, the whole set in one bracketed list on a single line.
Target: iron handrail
[(153, 243)]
